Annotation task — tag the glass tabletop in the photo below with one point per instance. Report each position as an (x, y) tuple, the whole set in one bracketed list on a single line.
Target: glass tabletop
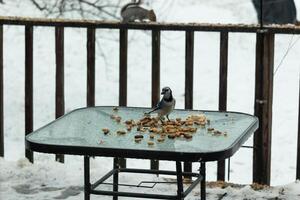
[(83, 128)]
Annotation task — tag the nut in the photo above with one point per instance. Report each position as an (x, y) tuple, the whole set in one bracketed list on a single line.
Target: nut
[(115, 108), (118, 119), (138, 136), (121, 132), (152, 136), (105, 130), (137, 140), (216, 132), (210, 129), (172, 136), (188, 136)]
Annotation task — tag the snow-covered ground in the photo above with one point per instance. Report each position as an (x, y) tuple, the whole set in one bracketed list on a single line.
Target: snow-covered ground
[(47, 179)]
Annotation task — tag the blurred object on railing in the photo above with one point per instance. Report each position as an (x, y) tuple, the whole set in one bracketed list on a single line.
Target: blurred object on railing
[(132, 12), (276, 11)]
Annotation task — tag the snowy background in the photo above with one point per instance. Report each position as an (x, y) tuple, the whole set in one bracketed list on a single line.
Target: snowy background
[(47, 179)]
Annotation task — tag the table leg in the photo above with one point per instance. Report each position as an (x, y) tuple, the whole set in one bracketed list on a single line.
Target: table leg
[(116, 178), (203, 186), (87, 185), (179, 180)]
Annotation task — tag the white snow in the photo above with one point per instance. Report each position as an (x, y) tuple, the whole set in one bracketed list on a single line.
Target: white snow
[(47, 179)]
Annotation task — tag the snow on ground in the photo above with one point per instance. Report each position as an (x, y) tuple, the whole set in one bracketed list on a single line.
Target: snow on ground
[(47, 179)]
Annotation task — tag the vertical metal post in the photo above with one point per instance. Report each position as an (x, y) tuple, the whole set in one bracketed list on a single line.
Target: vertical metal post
[(263, 107), (298, 145), (189, 77), (203, 181), (1, 94), (223, 90), (116, 178), (87, 184), (123, 76), (179, 180), (155, 79), (28, 85), (261, 13), (90, 45), (59, 85)]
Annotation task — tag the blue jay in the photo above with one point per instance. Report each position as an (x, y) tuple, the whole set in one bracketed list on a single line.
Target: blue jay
[(166, 104)]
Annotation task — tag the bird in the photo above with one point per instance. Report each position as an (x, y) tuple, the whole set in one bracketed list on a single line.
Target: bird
[(166, 104)]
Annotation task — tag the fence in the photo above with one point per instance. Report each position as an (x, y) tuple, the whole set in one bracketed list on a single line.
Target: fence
[(263, 75)]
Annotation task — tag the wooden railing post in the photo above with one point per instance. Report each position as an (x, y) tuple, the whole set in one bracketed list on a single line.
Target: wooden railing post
[(1, 94), (59, 92), (155, 78), (189, 80), (123, 76), (263, 107), (90, 67), (28, 86), (298, 144), (223, 90)]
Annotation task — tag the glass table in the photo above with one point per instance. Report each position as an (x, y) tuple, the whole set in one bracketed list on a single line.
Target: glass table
[(80, 133)]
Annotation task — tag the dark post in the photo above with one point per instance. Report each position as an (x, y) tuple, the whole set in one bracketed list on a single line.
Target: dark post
[(123, 76), (60, 94), (189, 75), (263, 107), (87, 184), (298, 148), (179, 181), (28, 86), (116, 178), (203, 181), (90, 67), (223, 91), (1, 94), (155, 78)]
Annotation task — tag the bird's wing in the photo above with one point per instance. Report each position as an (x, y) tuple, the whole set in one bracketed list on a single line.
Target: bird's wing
[(158, 106)]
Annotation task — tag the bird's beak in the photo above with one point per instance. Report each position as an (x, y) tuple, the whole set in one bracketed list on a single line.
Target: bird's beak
[(163, 92)]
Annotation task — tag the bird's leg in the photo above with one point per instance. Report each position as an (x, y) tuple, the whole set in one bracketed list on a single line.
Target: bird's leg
[(161, 120), (168, 118)]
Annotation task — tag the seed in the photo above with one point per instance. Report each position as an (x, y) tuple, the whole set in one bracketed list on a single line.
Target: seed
[(137, 140), (188, 136), (154, 130), (138, 136), (128, 128), (193, 130), (210, 129), (121, 132), (118, 119), (105, 130), (172, 136), (150, 143), (152, 136), (216, 132), (115, 109), (160, 139)]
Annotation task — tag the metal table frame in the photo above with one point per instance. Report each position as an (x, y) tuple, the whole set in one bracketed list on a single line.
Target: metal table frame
[(181, 194), (177, 156)]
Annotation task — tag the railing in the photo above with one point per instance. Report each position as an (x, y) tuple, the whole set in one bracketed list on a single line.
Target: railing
[(263, 76)]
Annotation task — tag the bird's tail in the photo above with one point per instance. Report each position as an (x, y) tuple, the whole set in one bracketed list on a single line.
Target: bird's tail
[(155, 109)]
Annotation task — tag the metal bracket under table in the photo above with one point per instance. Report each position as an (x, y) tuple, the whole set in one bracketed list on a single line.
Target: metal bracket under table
[(181, 194)]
